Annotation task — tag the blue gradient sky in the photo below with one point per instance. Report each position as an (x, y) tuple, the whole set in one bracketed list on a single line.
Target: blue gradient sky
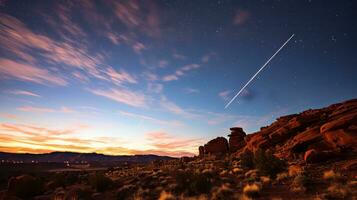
[(133, 77)]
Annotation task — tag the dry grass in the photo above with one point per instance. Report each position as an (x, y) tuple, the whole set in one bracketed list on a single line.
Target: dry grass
[(252, 190), (330, 175)]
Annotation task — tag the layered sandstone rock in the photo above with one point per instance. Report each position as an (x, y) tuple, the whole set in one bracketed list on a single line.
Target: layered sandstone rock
[(217, 146), (236, 139), (314, 135)]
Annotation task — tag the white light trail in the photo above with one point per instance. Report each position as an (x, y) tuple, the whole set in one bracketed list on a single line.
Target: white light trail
[(265, 64)]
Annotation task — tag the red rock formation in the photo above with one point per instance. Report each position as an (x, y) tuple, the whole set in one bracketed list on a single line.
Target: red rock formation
[(217, 146), (236, 139), (201, 151), (315, 135)]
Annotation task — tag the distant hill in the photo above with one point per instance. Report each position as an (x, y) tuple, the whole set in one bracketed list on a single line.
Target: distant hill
[(60, 157)]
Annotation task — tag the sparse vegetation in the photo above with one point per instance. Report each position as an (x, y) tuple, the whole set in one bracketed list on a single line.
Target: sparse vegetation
[(100, 182), (252, 190), (268, 164), (247, 160)]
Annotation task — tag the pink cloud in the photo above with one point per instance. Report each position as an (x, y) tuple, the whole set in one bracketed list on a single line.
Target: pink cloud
[(24, 72), (178, 56), (180, 72), (120, 77), (138, 47), (17, 39), (241, 17), (225, 95), (142, 16), (63, 109), (24, 92), (166, 142), (170, 78), (131, 98), (163, 63)]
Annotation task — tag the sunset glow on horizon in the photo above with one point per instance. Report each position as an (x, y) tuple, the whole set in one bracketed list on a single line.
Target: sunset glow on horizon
[(153, 77)]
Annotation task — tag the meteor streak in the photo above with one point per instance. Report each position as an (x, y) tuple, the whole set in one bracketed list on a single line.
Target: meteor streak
[(265, 64)]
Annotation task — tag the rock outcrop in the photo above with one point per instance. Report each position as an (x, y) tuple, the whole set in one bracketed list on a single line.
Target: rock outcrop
[(236, 139), (217, 146), (314, 135)]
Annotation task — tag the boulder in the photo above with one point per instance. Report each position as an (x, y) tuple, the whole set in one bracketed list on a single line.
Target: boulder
[(236, 139), (341, 122), (341, 139), (301, 142), (25, 186), (314, 156), (217, 146)]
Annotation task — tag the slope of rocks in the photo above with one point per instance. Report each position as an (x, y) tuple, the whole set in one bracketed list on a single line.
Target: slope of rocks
[(314, 135)]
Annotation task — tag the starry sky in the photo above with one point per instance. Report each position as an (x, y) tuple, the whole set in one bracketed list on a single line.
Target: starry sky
[(139, 77)]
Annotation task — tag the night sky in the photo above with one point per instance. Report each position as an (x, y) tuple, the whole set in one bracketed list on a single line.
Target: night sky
[(135, 77)]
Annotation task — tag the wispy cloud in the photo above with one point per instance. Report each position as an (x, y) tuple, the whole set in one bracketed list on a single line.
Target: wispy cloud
[(166, 142), (191, 90), (44, 110), (151, 119), (24, 92), (121, 95), (173, 108), (25, 72), (180, 72), (225, 95), (16, 38)]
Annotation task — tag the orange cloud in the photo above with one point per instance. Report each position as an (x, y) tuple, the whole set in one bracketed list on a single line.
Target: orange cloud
[(34, 139), (168, 143), (63, 109)]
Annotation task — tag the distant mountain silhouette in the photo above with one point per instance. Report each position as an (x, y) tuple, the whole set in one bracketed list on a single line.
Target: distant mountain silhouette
[(78, 157)]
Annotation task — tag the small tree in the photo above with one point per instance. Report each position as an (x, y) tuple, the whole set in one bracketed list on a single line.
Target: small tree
[(268, 164), (247, 160)]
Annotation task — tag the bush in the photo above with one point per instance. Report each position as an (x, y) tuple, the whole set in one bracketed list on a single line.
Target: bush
[(268, 164), (247, 160), (251, 190), (100, 182), (301, 182), (193, 183), (25, 186)]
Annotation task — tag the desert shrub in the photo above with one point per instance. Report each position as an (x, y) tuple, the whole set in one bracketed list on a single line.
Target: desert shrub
[(301, 181), (337, 191), (268, 164), (247, 160), (193, 183), (166, 196), (251, 190), (25, 186), (100, 182), (125, 192), (222, 193)]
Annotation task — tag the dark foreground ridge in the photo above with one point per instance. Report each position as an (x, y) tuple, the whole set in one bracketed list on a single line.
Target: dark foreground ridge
[(73, 157), (310, 155)]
